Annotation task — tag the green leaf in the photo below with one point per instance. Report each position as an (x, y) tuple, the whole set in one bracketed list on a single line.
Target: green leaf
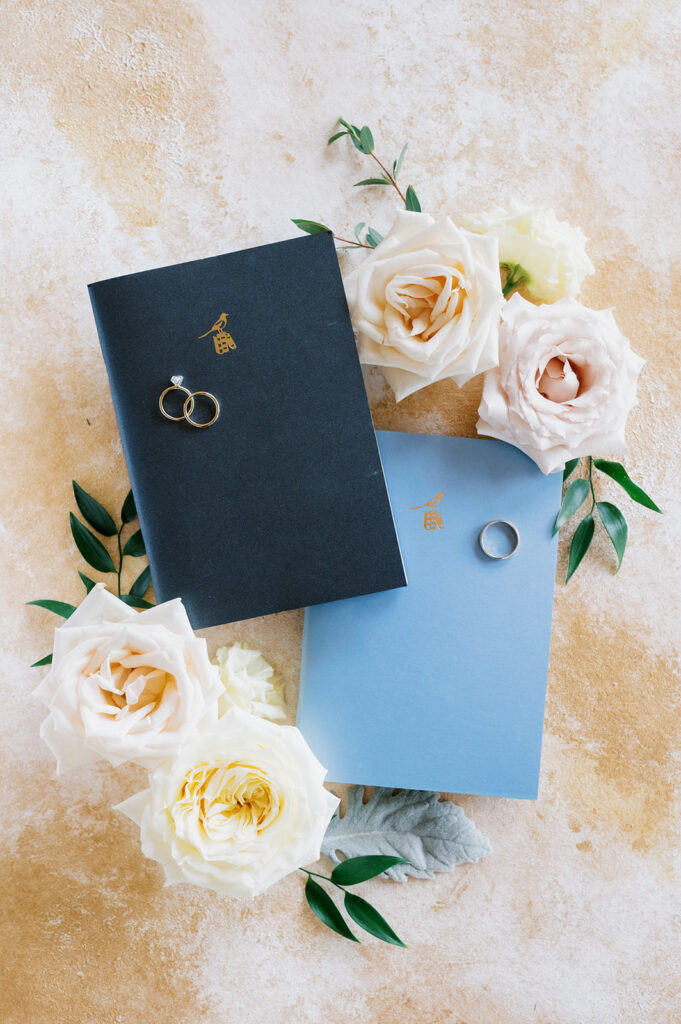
[(58, 607), (92, 550), (142, 583), (346, 125), (372, 181), (367, 140), (136, 602), (618, 473), (412, 202), (321, 904), (89, 584), (580, 544), (47, 660), (94, 513), (368, 918), (373, 237), (358, 230), (575, 496), (135, 545), (128, 512), (570, 467), (425, 833), (338, 135), (615, 526), (397, 166), (311, 227), (360, 869)]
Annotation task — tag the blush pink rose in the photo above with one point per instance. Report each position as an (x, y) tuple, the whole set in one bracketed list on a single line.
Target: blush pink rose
[(565, 383)]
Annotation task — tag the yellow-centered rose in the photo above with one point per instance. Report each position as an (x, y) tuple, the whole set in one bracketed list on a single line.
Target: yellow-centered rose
[(239, 807)]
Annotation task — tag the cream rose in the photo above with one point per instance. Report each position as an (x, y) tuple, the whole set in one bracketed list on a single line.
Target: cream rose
[(551, 251), (426, 303), (565, 383), (125, 685), (239, 807), (248, 682)]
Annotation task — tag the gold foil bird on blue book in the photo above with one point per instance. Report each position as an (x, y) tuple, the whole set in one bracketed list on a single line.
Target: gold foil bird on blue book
[(222, 339)]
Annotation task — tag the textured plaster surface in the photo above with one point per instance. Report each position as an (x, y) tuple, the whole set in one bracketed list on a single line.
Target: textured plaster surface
[(137, 134)]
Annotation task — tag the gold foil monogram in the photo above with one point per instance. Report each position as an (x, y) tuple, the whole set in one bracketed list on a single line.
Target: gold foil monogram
[(432, 518), (222, 339)]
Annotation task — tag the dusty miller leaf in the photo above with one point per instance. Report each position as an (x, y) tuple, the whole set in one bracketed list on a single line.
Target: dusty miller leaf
[(432, 834)]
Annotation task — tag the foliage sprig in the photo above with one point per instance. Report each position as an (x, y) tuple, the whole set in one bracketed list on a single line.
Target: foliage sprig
[(363, 140), (348, 873), (96, 554), (610, 516)]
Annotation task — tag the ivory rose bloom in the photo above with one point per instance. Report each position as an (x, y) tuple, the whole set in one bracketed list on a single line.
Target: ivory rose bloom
[(426, 303), (248, 682), (565, 383), (240, 806), (125, 685), (551, 251)]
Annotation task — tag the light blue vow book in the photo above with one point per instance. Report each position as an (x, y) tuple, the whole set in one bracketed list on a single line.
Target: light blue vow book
[(440, 685)]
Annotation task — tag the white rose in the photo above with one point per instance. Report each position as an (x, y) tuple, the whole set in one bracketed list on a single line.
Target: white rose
[(550, 250), (565, 383), (426, 303), (125, 685), (239, 807), (247, 679)]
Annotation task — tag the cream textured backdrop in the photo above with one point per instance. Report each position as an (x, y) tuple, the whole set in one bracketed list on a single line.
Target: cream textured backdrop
[(136, 134)]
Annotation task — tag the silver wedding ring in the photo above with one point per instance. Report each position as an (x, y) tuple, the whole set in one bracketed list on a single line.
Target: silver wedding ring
[(483, 538)]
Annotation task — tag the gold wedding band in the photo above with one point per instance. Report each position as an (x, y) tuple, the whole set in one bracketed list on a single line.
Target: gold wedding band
[(189, 408), (501, 522)]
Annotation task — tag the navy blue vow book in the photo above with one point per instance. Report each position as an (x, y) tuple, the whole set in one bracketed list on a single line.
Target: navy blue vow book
[(281, 502)]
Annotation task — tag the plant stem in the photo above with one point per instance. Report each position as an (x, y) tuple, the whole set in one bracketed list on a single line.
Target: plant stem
[(323, 877), (591, 483), (357, 245), (385, 171), (390, 178), (120, 559)]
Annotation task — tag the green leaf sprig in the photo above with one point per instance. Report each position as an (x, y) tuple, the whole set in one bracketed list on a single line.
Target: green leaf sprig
[(610, 515), (363, 140), (348, 873), (95, 553)]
